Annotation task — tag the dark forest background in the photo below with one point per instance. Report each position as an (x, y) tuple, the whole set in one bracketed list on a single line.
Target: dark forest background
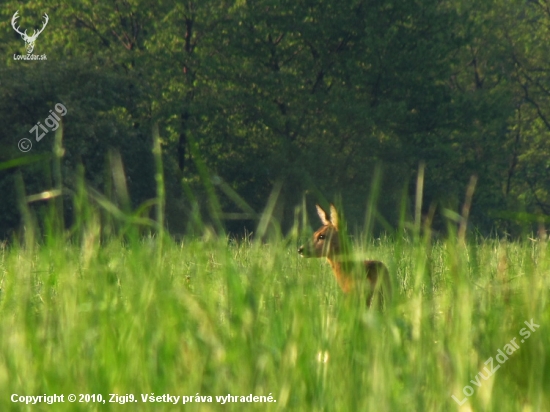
[(312, 97)]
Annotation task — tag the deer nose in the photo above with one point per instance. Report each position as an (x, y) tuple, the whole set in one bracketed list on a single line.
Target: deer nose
[(301, 250)]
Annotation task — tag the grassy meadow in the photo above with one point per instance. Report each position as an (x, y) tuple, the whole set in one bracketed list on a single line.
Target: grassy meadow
[(114, 319), (210, 317)]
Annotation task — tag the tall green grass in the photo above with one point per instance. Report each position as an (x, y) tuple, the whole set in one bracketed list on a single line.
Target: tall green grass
[(215, 317), (101, 310)]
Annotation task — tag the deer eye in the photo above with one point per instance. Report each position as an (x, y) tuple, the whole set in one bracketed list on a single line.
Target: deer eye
[(321, 237)]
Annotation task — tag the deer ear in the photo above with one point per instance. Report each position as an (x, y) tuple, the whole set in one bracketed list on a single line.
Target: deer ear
[(323, 215), (333, 216)]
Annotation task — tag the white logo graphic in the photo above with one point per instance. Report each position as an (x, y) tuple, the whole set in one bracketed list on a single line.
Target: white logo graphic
[(28, 39)]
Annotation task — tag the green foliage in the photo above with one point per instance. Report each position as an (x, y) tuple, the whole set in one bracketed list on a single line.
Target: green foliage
[(314, 95)]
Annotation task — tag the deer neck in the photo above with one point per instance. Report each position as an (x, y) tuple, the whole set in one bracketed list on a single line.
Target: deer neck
[(342, 273)]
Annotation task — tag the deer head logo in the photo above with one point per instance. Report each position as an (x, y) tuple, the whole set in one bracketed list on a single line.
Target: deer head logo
[(28, 39)]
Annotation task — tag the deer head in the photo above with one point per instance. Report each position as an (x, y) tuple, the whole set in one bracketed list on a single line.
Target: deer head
[(28, 39), (325, 242)]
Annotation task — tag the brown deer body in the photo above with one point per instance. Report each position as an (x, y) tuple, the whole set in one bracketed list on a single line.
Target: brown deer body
[(369, 277)]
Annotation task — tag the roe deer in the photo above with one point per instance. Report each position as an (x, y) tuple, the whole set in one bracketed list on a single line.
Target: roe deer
[(373, 276)]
